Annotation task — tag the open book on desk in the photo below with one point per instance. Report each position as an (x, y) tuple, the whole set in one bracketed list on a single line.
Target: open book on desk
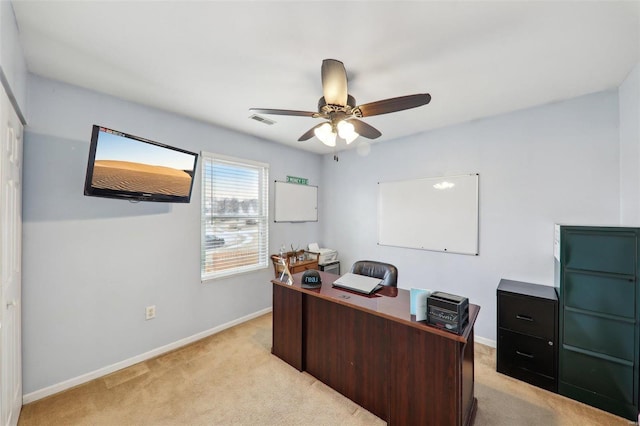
[(360, 283)]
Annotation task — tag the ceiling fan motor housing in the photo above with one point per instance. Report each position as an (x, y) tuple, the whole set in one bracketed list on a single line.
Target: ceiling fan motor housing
[(323, 107)]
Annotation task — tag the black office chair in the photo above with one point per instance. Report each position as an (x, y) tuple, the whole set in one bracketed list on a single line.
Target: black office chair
[(385, 271)]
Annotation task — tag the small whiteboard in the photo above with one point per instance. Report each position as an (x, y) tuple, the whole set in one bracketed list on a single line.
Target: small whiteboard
[(438, 214), (295, 202)]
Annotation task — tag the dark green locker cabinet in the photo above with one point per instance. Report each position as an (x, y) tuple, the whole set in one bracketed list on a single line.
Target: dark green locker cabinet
[(597, 282)]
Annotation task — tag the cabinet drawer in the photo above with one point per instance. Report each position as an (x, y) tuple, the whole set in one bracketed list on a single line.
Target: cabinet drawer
[(527, 315), (605, 251), (521, 352), (598, 375), (607, 294), (603, 335), (303, 266)]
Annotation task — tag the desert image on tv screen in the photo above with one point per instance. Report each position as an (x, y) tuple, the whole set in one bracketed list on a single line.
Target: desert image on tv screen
[(125, 164)]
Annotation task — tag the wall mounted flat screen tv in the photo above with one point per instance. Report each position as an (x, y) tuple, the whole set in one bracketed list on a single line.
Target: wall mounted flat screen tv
[(130, 167)]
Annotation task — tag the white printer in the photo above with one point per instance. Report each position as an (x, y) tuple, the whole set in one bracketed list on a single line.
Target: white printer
[(326, 255)]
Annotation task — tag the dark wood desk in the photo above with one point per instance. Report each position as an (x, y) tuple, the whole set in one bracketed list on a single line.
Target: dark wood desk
[(370, 349)]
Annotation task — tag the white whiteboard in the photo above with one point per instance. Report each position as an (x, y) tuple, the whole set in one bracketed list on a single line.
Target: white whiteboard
[(417, 214), (295, 202)]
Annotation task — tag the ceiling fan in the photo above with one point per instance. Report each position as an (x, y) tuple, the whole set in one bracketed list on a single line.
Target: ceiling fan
[(340, 110)]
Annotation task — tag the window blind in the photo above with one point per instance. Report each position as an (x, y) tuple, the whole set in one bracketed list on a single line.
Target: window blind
[(235, 226)]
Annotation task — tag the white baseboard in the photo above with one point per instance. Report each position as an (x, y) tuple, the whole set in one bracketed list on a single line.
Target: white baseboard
[(68, 384), (485, 341)]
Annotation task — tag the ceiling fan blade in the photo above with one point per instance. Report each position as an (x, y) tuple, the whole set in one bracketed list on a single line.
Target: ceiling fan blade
[(365, 130), (309, 133), (394, 104), (283, 112), (334, 82)]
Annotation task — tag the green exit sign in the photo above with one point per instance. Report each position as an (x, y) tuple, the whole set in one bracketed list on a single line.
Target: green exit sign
[(298, 180)]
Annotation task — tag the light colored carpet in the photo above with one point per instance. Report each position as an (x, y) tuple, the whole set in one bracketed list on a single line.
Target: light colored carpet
[(231, 378)]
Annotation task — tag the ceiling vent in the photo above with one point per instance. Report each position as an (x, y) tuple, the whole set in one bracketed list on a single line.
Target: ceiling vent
[(261, 119)]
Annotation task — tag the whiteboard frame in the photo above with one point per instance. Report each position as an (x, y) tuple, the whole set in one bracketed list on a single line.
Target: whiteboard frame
[(289, 208), (442, 224)]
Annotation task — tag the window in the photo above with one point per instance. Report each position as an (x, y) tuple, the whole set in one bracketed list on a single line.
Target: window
[(235, 227)]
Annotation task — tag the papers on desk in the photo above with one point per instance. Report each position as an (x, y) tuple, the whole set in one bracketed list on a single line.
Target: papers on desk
[(359, 283), (418, 303)]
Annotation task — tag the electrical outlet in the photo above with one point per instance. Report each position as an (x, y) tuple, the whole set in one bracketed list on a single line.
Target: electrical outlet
[(150, 312)]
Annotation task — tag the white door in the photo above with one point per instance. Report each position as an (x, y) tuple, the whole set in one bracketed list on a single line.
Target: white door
[(10, 263)]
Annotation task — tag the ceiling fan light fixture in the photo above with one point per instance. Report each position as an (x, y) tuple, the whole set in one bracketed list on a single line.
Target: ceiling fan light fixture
[(340, 111), (347, 132), (326, 134)]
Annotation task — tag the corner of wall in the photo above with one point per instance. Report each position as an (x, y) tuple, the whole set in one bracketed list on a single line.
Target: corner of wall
[(629, 142), (13, 69)]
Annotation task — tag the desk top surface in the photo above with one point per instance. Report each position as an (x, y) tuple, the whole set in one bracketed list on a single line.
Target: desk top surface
[(388, 302)]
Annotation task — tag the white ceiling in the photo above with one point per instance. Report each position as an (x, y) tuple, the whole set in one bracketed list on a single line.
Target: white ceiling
[(213, 60)]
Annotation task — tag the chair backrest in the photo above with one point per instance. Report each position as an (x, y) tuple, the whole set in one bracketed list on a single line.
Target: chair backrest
[(385, 271)]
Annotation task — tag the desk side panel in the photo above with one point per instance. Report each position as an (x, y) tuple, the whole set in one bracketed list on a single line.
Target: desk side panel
[(425, 378), (347, 349), (469, 402), (287, 325)]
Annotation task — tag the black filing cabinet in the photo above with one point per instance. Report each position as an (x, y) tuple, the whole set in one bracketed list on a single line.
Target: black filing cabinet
[(528, 333), (596, 272)]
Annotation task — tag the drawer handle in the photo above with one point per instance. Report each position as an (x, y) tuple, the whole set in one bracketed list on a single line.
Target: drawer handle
[(525, 355), (524, 317)]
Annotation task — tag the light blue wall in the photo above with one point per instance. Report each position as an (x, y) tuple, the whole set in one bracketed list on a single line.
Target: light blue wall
[(629, 93), (557, 163), (92, 265)]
